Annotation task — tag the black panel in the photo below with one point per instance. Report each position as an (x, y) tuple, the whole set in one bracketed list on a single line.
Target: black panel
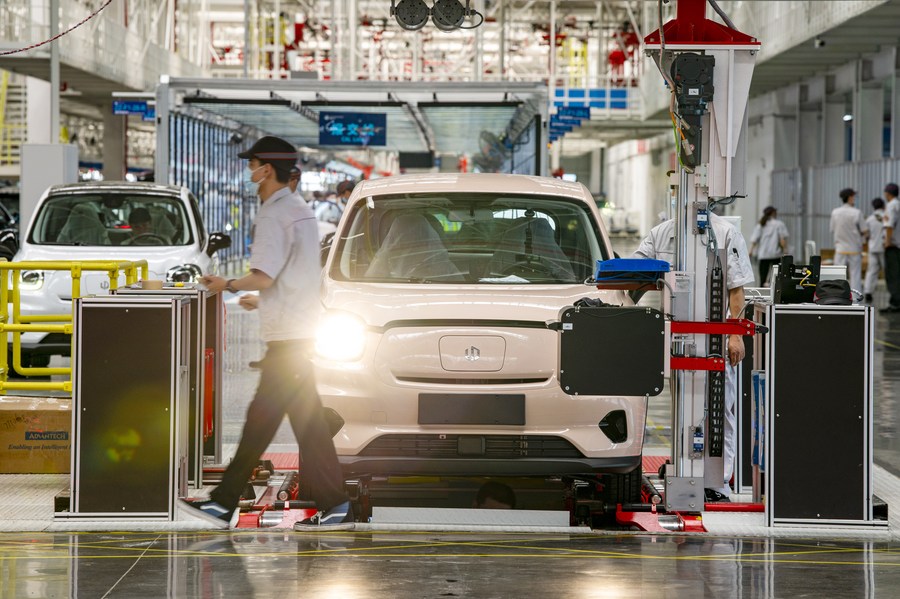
[(472, 408), (745, 405), (125, 391), (416, 159), (612, 351), (819, 414)]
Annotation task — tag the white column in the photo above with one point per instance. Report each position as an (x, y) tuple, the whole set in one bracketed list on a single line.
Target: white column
[(833, 132), (54, 72), (868, 122), (114, 147), (37, 115), (895, 117), (595, 180), (479, 45), (810, 137)]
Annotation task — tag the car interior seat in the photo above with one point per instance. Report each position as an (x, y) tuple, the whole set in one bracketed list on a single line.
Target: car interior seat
[(83, 227), (412, 248), (531, 239)]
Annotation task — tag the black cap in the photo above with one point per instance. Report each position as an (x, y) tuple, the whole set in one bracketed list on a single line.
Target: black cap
[(833, 293), (892, 189), (272, 150), (345, 185), (847, 193)]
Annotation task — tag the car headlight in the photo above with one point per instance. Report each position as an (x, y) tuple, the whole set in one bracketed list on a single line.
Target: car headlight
[(31, 279), (186, 273), (341, 336)]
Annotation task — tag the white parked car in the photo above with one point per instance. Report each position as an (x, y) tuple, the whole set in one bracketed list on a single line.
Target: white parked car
[(436, 356), (90, 221)]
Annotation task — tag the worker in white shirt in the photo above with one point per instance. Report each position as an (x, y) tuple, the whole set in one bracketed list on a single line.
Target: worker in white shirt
[(768, 242), (848, 229), (875, 224), (660, 245)]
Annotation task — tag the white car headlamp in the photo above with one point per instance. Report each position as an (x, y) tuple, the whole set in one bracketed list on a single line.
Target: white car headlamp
[(186, 273), (341, 336), (31, 279)]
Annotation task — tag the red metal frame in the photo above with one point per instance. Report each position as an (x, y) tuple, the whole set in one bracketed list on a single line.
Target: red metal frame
[(732, 326), (681, 363), (690, 26)]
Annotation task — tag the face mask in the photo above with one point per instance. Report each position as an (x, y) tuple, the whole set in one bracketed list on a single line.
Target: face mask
[(249, 184)]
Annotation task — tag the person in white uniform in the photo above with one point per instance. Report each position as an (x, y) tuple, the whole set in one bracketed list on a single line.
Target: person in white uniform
[(768, 242), (660, 245), (848, 229), (875, 224)]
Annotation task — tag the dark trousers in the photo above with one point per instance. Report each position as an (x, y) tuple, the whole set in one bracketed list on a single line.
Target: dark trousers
[(765, 264), (892, 273), (286, 387)]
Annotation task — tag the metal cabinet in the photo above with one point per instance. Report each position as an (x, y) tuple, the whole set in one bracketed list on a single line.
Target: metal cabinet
[(819, 373), (207, 344), (130, 390)]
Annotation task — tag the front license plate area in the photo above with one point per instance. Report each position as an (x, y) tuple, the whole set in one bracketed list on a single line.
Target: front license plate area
[(472, 408)]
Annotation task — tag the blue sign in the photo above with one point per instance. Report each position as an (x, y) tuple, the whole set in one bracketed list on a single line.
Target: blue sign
[(561, 129), (578, 112), (352, 129), (150, 115), (126, 107)]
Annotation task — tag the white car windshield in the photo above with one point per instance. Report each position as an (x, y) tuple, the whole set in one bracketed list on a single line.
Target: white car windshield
[(114, 219), (485, 238)]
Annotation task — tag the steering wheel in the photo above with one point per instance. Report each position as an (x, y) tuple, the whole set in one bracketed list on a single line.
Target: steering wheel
[(535, 266), (153, 238)]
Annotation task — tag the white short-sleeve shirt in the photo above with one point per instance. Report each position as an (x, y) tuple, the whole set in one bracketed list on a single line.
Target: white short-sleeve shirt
[(285, 246), (659, 244)]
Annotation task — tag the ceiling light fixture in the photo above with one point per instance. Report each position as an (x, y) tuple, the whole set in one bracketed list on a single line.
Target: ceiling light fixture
[(410, 14)]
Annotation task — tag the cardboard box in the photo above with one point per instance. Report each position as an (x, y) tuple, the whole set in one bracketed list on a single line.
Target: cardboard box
[(35, 435)]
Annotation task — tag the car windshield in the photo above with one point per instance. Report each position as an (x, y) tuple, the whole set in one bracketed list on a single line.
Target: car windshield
[(117, 219), (487, 238)]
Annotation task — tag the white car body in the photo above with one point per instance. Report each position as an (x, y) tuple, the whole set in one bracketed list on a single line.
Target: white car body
[(420, 337), (54, 293)]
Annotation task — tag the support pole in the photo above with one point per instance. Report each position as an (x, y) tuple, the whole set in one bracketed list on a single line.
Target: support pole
[(54, 72), (246, 39)]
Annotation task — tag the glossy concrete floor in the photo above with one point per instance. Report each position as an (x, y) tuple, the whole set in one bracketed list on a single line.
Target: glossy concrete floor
[(415, 564), (426, 565)]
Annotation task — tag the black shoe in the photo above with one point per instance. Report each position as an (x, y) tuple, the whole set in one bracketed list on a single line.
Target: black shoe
[(211, 512), (713, 496), (869, 299), (337, 518)]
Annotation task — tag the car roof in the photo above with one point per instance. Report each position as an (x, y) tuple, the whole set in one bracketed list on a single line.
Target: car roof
[(115, 186), (472, 183)]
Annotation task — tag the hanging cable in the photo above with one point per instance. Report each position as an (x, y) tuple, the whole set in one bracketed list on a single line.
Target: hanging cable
[(721, 13), (56, 37)]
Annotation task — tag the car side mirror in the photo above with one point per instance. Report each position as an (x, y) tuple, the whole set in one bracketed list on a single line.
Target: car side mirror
[(217, 241)]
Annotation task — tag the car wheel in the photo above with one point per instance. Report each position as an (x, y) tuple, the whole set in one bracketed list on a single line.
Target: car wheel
[(623, 488)]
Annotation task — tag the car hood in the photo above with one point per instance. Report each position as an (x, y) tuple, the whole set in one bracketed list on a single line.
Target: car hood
[(159, 259), (380, 303), (59, 285)]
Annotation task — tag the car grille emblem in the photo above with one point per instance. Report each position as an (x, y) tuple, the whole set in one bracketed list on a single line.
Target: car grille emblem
[(104, 284), (473, 353)]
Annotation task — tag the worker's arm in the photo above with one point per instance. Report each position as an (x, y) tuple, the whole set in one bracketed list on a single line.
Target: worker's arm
[(254, 281), (735, 344), (889, 227)]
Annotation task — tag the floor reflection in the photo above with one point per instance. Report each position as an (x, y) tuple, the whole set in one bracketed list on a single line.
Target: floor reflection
[(348, 565)]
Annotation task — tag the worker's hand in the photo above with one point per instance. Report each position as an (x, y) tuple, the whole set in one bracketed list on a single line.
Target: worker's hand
[(213, 283), (249, 301), (736, 349)]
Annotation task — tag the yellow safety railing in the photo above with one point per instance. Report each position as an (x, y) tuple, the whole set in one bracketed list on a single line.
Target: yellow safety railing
[(13, 321)]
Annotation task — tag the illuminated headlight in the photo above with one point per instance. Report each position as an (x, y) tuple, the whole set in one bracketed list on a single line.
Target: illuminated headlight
[(341, 337), (31, 279), (186, 273)]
